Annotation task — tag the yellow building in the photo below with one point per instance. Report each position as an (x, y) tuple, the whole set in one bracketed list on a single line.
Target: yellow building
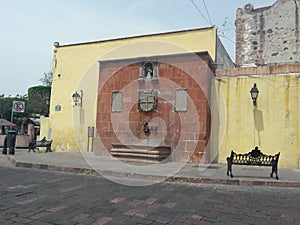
[(76, 70), (236, 124)]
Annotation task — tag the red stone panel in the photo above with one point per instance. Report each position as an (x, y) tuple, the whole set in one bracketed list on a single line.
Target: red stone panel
[(177, 128)]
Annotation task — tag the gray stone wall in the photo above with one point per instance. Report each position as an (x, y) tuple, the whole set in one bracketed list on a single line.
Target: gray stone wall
[(268, 35), (223, 60)]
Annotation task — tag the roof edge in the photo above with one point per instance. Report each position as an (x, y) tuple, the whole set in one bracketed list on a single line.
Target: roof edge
[(57, 45), (157, 57)]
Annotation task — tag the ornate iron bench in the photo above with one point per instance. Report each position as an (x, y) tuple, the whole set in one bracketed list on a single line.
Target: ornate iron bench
[(253, 158), (41, 143)]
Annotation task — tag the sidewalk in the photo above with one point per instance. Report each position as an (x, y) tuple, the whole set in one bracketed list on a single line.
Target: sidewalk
[(123, 172)]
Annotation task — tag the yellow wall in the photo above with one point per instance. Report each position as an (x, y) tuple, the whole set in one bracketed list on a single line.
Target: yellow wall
[(75, 67), (273, 125)]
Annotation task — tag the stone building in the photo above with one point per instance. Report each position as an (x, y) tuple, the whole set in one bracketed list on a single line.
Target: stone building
[(268, 35), (151, 91)]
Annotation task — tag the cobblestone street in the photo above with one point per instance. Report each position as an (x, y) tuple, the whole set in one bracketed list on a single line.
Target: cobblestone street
[(44, 197)]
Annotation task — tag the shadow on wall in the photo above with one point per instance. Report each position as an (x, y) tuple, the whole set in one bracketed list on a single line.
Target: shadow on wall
[(258, 123)]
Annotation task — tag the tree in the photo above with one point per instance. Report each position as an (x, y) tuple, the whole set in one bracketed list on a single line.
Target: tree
[(47, 79), (6, 109), (36, 100)]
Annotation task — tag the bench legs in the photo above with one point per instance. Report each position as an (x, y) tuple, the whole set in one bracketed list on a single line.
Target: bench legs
[(274, 170), (33, 149), (229, 167), (48, 149), (31, 146)]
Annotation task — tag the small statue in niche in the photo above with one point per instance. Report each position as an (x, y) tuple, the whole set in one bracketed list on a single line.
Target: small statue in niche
[(148, 70)]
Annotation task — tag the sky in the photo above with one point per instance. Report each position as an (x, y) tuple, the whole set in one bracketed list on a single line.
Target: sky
[(28, 28)]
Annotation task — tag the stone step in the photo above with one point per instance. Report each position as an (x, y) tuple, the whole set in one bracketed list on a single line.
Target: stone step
[(140, 153), (139, 160), (144, 147)]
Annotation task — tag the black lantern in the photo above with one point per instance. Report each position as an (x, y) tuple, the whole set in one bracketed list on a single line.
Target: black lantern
[(254, 93), (77, 98)]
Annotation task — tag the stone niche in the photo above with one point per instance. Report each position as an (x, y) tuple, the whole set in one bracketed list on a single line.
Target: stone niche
[(148, 70)]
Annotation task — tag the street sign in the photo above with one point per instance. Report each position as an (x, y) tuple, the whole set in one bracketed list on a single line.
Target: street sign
[(18, 106)]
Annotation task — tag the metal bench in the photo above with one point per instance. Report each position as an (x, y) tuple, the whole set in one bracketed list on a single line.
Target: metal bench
[(253, 158), (41, 143)]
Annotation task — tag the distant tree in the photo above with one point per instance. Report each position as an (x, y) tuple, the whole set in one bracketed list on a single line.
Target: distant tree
[(35, 104), (47, 79), (36, 100), (6, 109)]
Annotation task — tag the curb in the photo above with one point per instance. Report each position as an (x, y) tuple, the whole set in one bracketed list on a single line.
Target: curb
[(27, 165), (238, 182), (173, 179)]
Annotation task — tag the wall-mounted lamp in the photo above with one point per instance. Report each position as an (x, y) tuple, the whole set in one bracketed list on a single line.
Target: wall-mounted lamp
[(77, 98), (254, 93)]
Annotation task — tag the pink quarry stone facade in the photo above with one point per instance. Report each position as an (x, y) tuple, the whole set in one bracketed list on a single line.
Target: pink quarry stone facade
[(176, 128)]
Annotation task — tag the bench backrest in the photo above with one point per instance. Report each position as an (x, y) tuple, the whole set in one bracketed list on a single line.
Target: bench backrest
[(44, 143), (255, 157)]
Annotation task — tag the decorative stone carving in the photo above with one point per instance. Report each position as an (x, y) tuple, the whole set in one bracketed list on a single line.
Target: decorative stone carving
[(147, 100), (248, 8)]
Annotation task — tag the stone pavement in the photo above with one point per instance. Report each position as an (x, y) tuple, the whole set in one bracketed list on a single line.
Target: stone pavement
[(115, 170), (42, 197)]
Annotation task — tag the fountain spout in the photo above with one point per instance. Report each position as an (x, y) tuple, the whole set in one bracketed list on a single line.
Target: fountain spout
[(146, 128)]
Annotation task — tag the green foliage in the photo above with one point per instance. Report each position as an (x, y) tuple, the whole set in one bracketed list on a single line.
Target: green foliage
[(36, 100), (34, 104), (6, 109)]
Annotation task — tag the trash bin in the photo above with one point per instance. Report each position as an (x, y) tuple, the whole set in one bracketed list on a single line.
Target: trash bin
[(11, 141), (4, 150)]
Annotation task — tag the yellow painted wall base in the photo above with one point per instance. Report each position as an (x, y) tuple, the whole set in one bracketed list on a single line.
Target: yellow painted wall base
[(273, 125)]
